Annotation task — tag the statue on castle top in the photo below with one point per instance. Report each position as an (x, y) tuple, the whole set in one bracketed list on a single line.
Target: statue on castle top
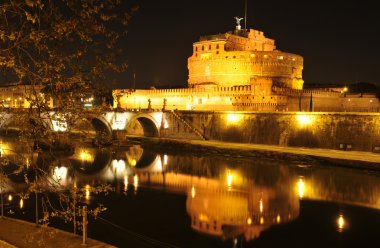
[(238, 20)]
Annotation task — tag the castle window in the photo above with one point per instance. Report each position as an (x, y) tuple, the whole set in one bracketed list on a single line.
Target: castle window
[(234, 57), (280, 57), (209, 47), (217, 52), (265, 56), (203, 48), (217, 46), (226, 57)]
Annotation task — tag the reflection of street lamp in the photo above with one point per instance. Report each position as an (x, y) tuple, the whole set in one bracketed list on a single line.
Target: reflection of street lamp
[(341, 223)]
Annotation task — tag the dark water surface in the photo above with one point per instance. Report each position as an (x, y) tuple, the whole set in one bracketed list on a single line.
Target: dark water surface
[(166, 200)]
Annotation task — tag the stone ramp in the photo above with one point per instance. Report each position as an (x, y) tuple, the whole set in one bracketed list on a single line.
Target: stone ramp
[(352, 159), (22, 234)]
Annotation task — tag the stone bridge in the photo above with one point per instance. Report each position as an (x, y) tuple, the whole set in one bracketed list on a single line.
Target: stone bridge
[(351, 131), (117, 123)]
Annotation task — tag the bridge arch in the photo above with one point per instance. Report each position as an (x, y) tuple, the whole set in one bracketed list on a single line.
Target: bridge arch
[(11, 120), (148, 123), (95, 123), (101, 125)]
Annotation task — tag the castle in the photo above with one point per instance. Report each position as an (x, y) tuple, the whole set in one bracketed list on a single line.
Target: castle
[(243, 71)]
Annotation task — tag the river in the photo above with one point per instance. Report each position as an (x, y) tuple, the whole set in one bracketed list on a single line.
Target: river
[(175, 199)]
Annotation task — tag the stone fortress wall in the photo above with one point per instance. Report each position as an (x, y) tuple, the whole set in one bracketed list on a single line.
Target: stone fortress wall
[(329, 130), (243, 98)]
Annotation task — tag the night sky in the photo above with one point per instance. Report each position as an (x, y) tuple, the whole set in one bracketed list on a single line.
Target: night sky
[(338, 39)]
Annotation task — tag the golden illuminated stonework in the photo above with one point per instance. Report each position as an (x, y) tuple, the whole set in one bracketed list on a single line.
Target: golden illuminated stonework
[(243, 71), (243, 58)]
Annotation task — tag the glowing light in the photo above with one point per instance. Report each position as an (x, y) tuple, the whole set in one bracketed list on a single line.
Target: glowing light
[(85, 156), (60, 173), (205, 56), (4, 149), (125, 183), (203, 217), (131, 161), (192, 192), (158, 118), (233, 118), (229, 179), (87, 191), (249, 221), (10, 198), (21, 203), (156, 166), (59, 126), (27, 163), (305, 120), (278, 218), (301, 188), (118, 165), (261, 206), (261, 220), (345, 89), (135, 182), (119, 121), (165, 159), (166, 124), (189, 106), (341, 223)]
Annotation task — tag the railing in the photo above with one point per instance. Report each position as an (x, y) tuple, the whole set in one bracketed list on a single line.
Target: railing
[(188, 125)]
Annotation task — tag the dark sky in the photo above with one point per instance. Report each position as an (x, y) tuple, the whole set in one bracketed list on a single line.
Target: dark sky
[(338, 39)]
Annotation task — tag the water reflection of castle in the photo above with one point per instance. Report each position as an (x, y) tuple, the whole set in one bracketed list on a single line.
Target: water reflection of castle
[(223, 200), (243, 70)]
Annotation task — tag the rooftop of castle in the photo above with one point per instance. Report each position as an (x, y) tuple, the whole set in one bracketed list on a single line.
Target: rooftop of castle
[(244, 33)]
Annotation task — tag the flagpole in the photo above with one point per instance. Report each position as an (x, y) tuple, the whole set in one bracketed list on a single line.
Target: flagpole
[(245, 15)]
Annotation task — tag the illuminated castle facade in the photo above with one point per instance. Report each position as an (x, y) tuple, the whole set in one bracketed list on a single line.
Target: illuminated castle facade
[(243, 58), (243, 70)]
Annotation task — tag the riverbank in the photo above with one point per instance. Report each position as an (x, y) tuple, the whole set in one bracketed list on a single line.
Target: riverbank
[(352, 159), (22, 234)]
